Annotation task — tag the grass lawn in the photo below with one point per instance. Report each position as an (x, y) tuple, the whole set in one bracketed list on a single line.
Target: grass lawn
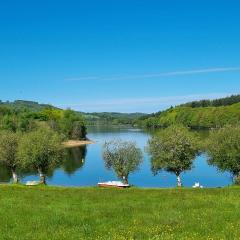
[(92, 213)]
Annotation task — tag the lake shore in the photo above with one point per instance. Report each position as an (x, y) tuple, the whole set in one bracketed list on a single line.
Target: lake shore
[(77, 143)]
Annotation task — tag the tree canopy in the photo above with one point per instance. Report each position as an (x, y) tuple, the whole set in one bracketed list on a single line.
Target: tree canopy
[(173, 150), (195, 118), (8, 152), (124, 157), (69, 123), (41, 150), (223, 148)]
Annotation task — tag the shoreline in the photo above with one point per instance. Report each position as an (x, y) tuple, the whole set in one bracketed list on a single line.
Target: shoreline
[(77, 143)]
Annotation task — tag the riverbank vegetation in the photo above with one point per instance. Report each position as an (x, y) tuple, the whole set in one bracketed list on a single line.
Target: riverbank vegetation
[(173, 150), (113, 118), (32, 136), (41, 151), (123, 157), (24, 116), (92, 213), (37, 151), (223, 148), (203, 114)]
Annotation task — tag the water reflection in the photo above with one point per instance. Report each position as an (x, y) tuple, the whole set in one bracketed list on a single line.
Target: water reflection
[(84, 166), (74, 160)]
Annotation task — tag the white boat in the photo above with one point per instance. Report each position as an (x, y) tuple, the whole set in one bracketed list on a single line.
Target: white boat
[(32, 183), (117, 184), (197, 185)]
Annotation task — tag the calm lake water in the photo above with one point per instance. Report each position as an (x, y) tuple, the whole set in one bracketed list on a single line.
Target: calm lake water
[(85, 167)]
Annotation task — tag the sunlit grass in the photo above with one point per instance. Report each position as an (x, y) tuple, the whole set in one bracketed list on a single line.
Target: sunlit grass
[(92, 213)]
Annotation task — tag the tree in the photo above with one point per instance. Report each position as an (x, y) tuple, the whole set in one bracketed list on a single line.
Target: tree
[(124, 157), (223, 148), (8, 152), (72, 125), (78, 131), (41, 150), (173, 150)]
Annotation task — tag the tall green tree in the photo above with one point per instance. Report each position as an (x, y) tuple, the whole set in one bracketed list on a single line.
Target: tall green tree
[(223, 148), (72, 125), (173, 150), (41, 150), (124, 157), (8, 152)]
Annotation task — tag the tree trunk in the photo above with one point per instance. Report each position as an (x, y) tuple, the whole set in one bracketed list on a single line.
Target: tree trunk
[(14, 176), (179, 182), (236, 179), (125, 180), (42, 177)]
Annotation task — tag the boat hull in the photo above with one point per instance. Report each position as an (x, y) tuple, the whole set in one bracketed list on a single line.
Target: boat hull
[(105, 185)]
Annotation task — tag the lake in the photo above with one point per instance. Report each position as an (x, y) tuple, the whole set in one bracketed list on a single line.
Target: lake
[(84, 166)]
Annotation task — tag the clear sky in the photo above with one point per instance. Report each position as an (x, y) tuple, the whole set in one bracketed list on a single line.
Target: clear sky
[(119, 55)]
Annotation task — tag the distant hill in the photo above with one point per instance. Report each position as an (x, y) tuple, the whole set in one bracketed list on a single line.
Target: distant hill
[(29, 105), (198, 115), (91, 118), (113, 117)]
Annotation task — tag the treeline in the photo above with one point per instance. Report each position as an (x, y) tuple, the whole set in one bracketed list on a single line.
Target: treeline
[(95, 118), (23, 104), (203, 117), (213, 103), (68, 123), (113, 118)]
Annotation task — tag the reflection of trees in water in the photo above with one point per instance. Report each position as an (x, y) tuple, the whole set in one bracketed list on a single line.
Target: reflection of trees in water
[(6, 175), (74, 160), (30, 172)]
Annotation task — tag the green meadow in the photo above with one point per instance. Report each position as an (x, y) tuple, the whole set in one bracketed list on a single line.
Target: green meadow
[(45, 212)]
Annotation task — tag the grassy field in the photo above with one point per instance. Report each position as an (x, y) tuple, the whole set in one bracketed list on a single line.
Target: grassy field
[(92, 213)]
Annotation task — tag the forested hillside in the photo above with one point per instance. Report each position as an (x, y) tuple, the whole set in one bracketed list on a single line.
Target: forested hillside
[(113, 118), (95, 118), (198, 115), (214, 103), (25, 116), (27, 105)]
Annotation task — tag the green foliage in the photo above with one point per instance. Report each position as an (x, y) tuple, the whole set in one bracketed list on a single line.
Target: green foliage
[(113, 118), (23, 116), (173, 150), (40, 150), (20, 105), (196, 118), (8, 151), (124, 157), (223, 148), (214, 103), (72, 125)]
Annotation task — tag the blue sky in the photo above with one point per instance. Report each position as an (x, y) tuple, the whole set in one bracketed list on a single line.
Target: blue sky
[(122, 56)]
